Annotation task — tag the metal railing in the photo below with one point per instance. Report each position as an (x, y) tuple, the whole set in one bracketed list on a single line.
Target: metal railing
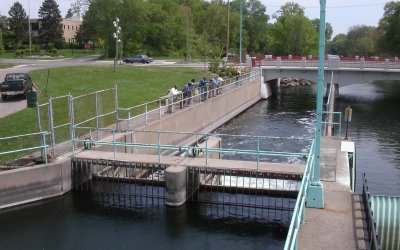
[(371, 225), (194, 147), (335, 121), (42, 146), (299, 209), (331, 63), (153, 110)]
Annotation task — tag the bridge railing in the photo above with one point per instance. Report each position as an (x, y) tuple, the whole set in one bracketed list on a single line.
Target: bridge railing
[(331, 63), (299, 209), (142, 114)]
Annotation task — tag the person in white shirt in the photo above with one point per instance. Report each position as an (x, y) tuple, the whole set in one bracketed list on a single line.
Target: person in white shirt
[(171, 96)]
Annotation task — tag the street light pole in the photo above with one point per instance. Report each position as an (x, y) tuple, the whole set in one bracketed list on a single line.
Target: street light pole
[(30, 28), (116, 36)]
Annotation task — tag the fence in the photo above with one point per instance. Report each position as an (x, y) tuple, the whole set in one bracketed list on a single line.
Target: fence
[(299, 209), (371, 226), (58, 116), (142, 114)]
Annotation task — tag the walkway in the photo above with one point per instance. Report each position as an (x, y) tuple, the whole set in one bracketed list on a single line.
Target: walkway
[(333, 227)]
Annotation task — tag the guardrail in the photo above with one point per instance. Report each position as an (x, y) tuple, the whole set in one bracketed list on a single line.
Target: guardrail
[(193, 148), (167, 104), (371, 225), (299, 209), (43, 146), (331, 63)]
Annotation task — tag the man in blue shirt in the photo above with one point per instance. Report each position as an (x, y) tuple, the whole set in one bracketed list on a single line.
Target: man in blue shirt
[(203, 89)]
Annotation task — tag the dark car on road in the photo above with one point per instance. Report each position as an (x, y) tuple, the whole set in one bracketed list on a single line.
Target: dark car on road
[(15, 84), (137, 59)]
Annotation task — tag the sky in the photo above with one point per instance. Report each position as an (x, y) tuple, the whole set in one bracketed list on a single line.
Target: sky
[(342, 14)]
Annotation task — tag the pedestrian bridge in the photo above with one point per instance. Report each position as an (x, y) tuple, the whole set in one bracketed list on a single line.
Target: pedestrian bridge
[(341, 71)]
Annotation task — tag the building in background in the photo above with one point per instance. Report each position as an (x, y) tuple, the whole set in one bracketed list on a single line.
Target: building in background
[(70, 27)]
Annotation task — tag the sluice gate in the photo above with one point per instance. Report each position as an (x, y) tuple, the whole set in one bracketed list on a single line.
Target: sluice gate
[(258, 194)]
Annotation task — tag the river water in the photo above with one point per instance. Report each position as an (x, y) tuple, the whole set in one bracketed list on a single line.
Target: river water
[(79, 221)]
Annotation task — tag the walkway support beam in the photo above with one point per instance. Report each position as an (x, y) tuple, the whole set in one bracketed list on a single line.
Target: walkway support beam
[(315, 194)]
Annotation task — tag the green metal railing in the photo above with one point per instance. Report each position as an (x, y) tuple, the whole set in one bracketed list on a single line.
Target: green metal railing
[(371, 225), (299, 209), (336, 122), (42, 146), (156, 108), (196, 138)]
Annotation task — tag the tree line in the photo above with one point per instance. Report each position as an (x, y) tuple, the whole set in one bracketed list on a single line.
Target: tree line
[(199, 28)]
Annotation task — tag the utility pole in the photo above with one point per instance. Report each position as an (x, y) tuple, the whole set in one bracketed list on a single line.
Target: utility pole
[(29, 28), (240, 53), (228, 30)]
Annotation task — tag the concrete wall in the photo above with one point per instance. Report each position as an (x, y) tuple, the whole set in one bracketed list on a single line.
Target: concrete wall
[(30, 184), (200, 118)]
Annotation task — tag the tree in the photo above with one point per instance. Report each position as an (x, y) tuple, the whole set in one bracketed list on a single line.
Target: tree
[(51, 31), (389, 24), (338, 45), (69, 14), (292, 33), (18, 22), (328, 28), (1, 43)]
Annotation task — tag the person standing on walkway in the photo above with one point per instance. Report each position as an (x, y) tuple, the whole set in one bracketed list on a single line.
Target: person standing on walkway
[(203, 89), (187, 92), (171, 95), (219, 85)]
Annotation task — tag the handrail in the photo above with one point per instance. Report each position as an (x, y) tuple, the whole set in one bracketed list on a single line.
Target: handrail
[(43, 145), (232, 81), (298, 213), (371, 226)]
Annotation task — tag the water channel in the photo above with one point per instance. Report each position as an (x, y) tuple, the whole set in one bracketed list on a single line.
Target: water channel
[(79, 221)]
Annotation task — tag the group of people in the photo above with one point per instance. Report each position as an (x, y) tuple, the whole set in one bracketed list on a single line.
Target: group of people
[(212, 87)]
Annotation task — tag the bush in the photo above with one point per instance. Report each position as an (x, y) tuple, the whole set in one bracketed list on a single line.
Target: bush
[(53, 51)]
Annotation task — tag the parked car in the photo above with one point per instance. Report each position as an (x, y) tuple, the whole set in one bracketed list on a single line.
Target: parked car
[(15, 84), (138, 59)]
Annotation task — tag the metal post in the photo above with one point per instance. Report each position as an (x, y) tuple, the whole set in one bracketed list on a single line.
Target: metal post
[(258, 152), (146, 113), (97, 115), (158, 145), (240, 52), (72, 121), (315, 194), (206, 150), (116, 107), (51, 126), (159, 108), (43, 138), (129, 120), (42, 142), (114, 142)]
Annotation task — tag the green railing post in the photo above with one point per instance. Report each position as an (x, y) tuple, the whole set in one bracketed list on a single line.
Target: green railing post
[(258, 152), (116, 106), (206, 150), (315, 194), (158, 146), (114, 142)]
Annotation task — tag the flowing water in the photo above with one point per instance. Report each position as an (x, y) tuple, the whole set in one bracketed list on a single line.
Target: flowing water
[(80, 221)]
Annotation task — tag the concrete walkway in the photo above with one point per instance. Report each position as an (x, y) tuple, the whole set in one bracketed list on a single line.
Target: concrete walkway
[(335, 226)]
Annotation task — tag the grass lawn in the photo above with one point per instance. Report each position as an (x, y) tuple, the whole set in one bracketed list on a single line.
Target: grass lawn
[(5, 66), (136, 85)]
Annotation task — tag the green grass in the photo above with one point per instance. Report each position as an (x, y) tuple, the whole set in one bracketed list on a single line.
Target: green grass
[(5, 66), (136, 85)]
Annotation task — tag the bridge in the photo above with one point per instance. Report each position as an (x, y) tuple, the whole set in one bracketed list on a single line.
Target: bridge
[(345, 70)]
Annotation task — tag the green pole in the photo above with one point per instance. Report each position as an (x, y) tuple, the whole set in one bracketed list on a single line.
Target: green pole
[(240, 52), (315, 195)]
